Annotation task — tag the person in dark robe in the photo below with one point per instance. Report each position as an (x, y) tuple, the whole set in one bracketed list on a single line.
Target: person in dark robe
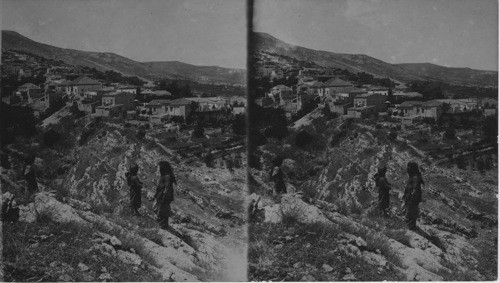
[(412, 196), (277, 177), (383, 190), (164, 193), (29, 174), (135, 189)]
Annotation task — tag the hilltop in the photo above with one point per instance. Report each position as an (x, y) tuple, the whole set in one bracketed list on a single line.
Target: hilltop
[(103, 61), (356, 63)]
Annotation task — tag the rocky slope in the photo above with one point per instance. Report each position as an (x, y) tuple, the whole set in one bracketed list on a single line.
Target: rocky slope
[(457, 236), (363, 63), (207, 240)]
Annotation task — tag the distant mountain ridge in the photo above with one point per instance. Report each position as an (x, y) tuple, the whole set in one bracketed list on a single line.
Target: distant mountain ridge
[(13, 41), (364, 63), (452, 74), (208, 73)]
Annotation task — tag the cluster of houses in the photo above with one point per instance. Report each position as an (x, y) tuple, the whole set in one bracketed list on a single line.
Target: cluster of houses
[(343, 98), (20, 65), (117, 100)]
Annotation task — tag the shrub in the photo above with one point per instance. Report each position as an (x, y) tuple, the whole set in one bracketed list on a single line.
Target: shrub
[(303, 138), (290, 216), (84, 136), (428, 120), (239, 124), (141, 133), (450, 133), (199, 132), (278, 131), (393, 134), (51, 137)]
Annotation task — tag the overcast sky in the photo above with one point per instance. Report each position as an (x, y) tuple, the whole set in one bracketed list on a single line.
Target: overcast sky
[(453, 33), (198, 32)]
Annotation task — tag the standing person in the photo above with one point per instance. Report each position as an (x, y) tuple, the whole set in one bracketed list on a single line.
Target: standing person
[(29, 174), (413, 195), (383, 189), (135, 188), (278, 177), (164, 193)]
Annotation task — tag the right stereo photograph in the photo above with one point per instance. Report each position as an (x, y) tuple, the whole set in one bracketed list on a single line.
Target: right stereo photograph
[(372, 140)]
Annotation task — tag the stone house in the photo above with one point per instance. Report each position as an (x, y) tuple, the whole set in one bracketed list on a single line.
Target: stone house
[(336, 85), (366, 105), (119, 98), (83, 84)]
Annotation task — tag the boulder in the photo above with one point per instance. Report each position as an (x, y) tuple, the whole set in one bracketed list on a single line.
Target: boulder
[(83, 267), (294, 207), (327, 268), (128, 257)]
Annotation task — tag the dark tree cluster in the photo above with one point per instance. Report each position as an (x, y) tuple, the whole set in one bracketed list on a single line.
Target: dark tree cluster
[(113, 77), (16, 121), (177, 88)]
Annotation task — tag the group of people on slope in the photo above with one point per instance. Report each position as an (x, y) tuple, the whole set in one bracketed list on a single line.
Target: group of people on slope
[(164, 195), (412, 195)]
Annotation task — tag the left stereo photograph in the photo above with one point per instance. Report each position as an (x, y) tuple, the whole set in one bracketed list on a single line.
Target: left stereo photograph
[(123, 140)]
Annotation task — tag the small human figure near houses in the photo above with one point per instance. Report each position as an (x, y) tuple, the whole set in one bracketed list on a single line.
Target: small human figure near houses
[(135, 189), (413, 195), (383, 190), (277, 177), (164, 193), (30, 174)]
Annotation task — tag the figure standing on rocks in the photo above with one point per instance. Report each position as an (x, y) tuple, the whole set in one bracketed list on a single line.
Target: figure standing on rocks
[(29, 174), (165, 193), (277, 177), (135, 188), (413, 195), (383, 189)]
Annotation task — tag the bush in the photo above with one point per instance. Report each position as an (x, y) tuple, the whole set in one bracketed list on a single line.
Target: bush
[(177, 119), (393, 134), (428, 120), (278, 131), (51, 137), (290, 216), (199, 132), (209, 159), (239, 125), (141, 133), (450, 133), (303, 138)]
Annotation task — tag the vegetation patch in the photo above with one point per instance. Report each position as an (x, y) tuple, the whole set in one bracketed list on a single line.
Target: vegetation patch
[(290, 252), (45, 250)]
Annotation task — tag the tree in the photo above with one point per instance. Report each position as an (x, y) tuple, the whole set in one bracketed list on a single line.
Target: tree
[(239, 124), (199, 132), (490, 126), (450, 133), (303, 138), (446, 107)]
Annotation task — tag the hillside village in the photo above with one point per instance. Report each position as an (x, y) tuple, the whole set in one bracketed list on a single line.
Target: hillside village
[(49, 85), (330, 130), (294, 84), (84, 129)]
